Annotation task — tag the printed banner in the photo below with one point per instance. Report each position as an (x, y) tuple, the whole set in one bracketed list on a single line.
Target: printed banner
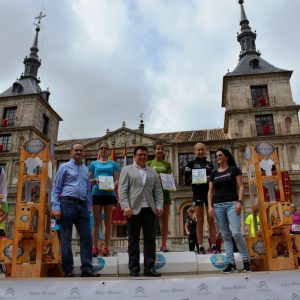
[(258, 285)]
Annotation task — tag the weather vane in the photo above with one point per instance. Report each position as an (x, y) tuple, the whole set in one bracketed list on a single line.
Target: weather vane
[(141, 115), (39, 17)]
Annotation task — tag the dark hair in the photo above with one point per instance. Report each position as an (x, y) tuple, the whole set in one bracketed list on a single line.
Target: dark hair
[(157, 143), (139, 148), (230, 160), (103, 143)]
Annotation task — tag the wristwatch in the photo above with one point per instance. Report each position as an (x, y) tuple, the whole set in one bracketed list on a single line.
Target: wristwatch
[(240, 201)]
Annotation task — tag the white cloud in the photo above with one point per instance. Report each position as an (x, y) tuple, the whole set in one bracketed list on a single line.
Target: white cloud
[(106, 61)]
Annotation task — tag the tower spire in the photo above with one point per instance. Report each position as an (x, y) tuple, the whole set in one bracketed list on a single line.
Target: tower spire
[(32, 63), (246, 37)]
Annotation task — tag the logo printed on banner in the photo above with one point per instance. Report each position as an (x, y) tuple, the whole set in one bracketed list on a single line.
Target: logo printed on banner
[(140, 292), (160, 261), (75, 293), (9, 293), (103, 290), (262, 286), (295, 297), (219, 261), (203, 289)]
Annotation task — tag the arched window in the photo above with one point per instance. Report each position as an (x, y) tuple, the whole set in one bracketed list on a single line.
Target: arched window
[(182, 210)]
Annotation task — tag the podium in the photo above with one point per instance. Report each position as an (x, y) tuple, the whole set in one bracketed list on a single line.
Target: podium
[(272, 247), (34, 250)]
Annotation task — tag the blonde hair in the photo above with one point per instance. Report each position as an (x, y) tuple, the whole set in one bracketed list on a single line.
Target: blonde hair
[(198, 145)]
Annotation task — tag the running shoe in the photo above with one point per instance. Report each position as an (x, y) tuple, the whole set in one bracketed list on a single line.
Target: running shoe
[(230, 268), (106, 252), (95, 252), (164, 248)]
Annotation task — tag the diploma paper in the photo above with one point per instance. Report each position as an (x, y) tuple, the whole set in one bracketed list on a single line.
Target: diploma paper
[(199, 176), (106, 183), (167, 181)]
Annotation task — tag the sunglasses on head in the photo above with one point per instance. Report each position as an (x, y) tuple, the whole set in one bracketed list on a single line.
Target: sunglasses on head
[(102, 148)]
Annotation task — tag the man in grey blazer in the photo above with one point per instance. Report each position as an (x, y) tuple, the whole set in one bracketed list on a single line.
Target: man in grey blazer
[(141, 199)]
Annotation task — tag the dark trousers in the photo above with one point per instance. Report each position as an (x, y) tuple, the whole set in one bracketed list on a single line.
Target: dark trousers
[(193, 242), (145, 220), (77, 214)]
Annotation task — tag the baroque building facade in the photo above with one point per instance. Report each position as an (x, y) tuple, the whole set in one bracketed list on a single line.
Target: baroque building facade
[(258, 104)]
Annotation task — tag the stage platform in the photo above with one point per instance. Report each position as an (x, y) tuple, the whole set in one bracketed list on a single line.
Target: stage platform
[(280, 285), (185, 275)]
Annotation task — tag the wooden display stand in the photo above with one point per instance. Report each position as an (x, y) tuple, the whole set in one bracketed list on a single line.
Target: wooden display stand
[(34, 250), (272, 246)]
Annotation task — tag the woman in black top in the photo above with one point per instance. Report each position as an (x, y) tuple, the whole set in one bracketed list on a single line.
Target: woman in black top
[(225, 201)]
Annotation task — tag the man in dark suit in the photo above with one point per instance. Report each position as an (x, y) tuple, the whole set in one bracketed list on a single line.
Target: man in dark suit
[(141, 199)]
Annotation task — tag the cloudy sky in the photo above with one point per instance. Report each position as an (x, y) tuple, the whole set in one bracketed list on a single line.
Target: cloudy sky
[(106, 61)]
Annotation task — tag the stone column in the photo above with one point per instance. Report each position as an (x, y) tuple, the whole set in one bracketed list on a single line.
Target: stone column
[(285, 158), (280, 157), (173, 220)]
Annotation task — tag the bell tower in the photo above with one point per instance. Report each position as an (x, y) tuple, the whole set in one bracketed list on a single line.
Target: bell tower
[(257, 95)]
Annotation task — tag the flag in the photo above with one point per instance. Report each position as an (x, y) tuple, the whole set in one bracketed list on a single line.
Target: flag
[(113, 155), (124, 155)]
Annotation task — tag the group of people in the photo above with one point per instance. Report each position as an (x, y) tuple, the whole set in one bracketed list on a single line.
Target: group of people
[(222, 196), (77, 192)]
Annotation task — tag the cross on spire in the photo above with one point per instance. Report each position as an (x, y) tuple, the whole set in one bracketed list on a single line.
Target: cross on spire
[(39, 17)]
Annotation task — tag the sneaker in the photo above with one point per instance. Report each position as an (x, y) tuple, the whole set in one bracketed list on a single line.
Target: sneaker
[(95, 252), (201, 250), (164, 248), (230, 268), (214, 250), (247, 267), (106, 252)]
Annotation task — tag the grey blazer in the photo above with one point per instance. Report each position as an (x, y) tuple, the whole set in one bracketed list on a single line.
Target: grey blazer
[(132, 190)]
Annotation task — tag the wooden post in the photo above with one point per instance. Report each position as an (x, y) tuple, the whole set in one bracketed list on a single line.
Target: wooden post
[(34, 246), (271, 247)]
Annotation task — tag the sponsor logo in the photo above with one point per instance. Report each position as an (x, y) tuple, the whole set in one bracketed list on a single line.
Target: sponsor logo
[(160, 261), (42, 293), (9, 293), (139, 292), (262, 286), (100, 263), (295, 297), (74, 293), (203, 289), (219, 261)]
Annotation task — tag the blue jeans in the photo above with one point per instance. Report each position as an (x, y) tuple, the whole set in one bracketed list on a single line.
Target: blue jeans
[(77, 214), (229, 224)]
